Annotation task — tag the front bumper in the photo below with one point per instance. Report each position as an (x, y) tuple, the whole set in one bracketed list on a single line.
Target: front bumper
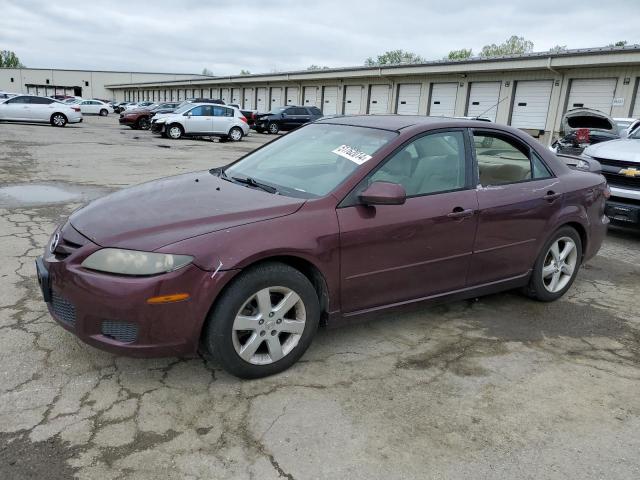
[(623, 212), (127, 121), (111, 312), (157, 127)]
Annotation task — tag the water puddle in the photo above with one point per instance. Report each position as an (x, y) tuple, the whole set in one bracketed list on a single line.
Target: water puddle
[(44, 194)]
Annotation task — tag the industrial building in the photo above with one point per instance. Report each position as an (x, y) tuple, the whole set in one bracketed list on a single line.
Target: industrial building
[(529, 91), (80, 83)]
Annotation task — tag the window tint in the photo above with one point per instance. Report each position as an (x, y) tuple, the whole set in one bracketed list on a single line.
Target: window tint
[(501, 159), (432, 163), (298, 111), (19, 100), (202, 111), (41, 101), (315, 111), (222, 112), (540, 170)]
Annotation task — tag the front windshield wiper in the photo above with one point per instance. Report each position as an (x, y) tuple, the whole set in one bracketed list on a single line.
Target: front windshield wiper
[(254, 183)]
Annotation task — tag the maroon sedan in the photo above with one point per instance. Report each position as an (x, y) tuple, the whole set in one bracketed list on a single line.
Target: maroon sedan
[(342, 217)]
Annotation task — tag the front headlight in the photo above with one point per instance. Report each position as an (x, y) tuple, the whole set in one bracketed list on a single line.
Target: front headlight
[(132, 262), (159, 120), (582, 165)]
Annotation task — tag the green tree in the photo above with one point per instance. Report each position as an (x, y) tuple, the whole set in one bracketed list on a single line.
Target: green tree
[(558, 49), (245, 72), (394, 57), (512, 46), (620, 43), (459, 54), (206, 71), (9, 59)]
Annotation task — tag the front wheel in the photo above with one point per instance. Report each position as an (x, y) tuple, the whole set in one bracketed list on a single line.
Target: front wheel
[(144, 123), (264, 321), (235, 134), (104, 112), (58, 120), (557, 266), (174, 131)]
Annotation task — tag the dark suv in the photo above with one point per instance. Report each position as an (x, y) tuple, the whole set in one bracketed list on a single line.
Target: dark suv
[(285, 118)]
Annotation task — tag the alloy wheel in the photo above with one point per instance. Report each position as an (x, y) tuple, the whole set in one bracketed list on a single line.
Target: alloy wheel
[(175, 132), (269, 325), (235, 134), (559, 264), (59, 120), (273, 128)]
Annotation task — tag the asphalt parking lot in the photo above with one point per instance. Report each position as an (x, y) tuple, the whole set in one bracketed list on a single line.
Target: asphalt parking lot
[(501, 387)]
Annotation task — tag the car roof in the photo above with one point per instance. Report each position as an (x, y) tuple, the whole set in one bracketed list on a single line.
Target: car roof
[(399, 122)]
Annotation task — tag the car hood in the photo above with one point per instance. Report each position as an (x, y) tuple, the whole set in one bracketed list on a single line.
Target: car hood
[(138, 110), (625, 149), (578, 118), (158, 213)]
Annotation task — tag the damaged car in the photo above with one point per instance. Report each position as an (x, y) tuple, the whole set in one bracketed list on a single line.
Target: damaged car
[(582, 127)]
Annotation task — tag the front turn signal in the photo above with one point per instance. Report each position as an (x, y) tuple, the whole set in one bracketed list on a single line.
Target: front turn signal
[(176, 297)]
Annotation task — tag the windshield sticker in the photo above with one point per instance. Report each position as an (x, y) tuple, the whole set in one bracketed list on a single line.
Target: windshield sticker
[(352, 154)]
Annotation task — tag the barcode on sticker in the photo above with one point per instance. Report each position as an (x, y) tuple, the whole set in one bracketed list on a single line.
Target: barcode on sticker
[(352, 154)]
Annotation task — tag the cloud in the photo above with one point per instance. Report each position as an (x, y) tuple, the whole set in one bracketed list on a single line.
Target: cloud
[(226, 36)]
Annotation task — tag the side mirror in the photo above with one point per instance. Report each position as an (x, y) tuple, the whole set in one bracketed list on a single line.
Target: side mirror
[(188, 114), (383, 193)]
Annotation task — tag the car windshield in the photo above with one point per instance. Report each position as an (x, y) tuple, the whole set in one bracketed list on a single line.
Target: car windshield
[(313, 160), (623, 125), (183, 108), (635, 134)]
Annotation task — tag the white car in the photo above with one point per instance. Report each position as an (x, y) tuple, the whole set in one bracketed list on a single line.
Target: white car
[(94, 107), (202, 120), (626, 126), (32, 108), (131, 106)]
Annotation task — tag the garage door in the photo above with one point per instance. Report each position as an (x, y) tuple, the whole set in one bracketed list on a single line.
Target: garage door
[(276, 97), (379, 99), (330, 100), (215, 93), (249, 95), (261, 100), (224, 93), (292, 95), (483, 100), (352, 99), (596, 93), (310, 96), (531, 104), (443, 99), (636, 103), (408, 99), (236, 95)]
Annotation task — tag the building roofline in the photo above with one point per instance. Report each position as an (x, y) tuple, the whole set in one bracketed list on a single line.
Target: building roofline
[(279, 76), (104, 71)]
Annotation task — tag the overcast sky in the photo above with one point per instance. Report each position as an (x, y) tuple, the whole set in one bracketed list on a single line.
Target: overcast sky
[(227, 36)]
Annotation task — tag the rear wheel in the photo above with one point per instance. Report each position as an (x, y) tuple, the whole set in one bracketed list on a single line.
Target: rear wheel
[(274, 128), (235, 134), (58, 120), (104, 112), (175, 131), (264, 321), (557, 266)]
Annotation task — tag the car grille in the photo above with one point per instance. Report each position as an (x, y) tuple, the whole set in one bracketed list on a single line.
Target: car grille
[(616, 180), (614, 163), (121, 331), (70, 241), (63, 309)]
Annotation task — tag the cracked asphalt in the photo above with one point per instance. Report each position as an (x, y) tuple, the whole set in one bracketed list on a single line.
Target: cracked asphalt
[(498, 388)]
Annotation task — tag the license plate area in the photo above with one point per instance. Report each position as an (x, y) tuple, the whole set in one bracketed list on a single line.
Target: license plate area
[(44, 279)]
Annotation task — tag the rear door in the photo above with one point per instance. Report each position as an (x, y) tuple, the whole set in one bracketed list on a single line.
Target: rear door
[(223, 118), (40, 109), (199, 120), (398, 253), (517, 197)]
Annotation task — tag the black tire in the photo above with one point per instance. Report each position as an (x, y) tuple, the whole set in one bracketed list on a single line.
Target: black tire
[(536, 288), (172, 131), (143, 123), (237, 133), (273, 128), (218, 332), (104, 112), (58, 120)]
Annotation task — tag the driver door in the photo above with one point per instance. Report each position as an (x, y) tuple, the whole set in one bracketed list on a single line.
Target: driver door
[(199, 120), (392, 254)]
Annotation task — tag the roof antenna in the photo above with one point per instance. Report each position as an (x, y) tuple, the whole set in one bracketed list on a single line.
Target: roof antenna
[(491, 107)]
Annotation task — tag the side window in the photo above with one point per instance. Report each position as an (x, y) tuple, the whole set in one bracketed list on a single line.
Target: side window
[(299, 111), (202, 111), (315, 111), (228, 112), (19, 100), (501, 159), (431, 164), (219, 111), (197, 112), (41, 101), (540, 170)]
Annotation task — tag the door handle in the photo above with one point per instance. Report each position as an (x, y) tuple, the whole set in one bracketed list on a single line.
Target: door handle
[(551, 196), (460, 212)]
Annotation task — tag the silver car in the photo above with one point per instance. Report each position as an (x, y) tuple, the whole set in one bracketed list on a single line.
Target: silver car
[(202, 120), (32, 108)]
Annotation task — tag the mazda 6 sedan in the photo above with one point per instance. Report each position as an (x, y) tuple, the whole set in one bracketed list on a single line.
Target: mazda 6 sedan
[(340, 218)]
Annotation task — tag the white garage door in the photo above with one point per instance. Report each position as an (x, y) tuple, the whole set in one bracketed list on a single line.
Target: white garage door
[(379, 99), (596, 93), (531, 104), (276, 97), (215, 93), (483, 100), (224, 93), (248, 98), (292, 95), (443, 99), (408, 99), (330, 100), (236, 95), (262, 105), (636, 104), (352, 99), (310, 96)]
